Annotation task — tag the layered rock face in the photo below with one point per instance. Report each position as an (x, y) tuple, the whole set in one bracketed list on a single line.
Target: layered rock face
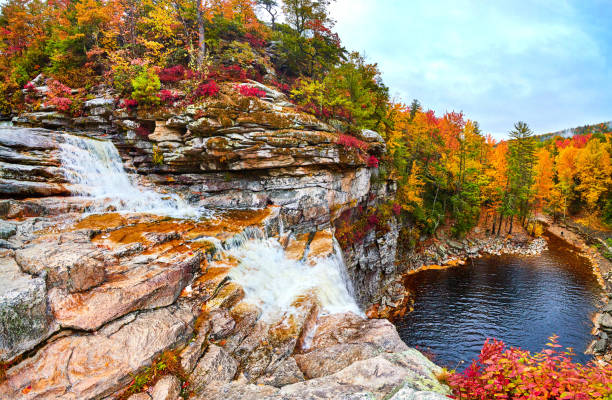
[(92, 304)]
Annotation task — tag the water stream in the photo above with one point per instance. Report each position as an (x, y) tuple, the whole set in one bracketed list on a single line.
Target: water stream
[(520, 300), (269, 278), (95, 169)]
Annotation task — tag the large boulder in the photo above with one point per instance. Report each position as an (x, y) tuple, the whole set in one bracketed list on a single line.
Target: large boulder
[(215, 366), (24, 319), (97, 365), (70, 262)]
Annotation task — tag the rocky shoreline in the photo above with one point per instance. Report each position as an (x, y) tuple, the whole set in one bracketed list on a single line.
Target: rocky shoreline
[(572, 234), (396, 301)]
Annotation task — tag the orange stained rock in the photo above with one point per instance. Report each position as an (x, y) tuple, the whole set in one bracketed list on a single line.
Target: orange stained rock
[(321, 246), (101, 222), (296, 247)]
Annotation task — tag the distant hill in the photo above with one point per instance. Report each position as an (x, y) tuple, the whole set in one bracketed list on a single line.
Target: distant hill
[(603, 127)]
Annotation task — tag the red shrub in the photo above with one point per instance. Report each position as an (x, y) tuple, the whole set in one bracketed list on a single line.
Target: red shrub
[(129, 103), (373, 162), (61, 103), (397, 209), (30, 87), (251, 91), (168, 97), (351, 142), (58, 89), (208, 89), (512, 373), (231, 73), (283, 87), (172, 74), (255, 41)]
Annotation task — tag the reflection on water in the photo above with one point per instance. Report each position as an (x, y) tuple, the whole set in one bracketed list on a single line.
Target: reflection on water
[(521, 300)]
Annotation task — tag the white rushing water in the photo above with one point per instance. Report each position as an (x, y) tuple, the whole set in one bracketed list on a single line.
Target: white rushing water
[(273, 282), (95, 169), (270, 280)]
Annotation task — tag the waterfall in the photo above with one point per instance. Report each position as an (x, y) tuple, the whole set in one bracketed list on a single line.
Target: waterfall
[(273, 282), (270, 279), (95, 169)]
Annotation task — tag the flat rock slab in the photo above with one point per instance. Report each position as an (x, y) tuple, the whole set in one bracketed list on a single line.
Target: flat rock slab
[(142, 287), (350, 328), (70, 262), (99, 364), (24, 320)]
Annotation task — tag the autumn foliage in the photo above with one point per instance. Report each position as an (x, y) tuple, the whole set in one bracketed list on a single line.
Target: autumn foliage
[(502, 372)]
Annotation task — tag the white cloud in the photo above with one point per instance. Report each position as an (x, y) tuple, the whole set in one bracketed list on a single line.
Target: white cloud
[(498, 61)]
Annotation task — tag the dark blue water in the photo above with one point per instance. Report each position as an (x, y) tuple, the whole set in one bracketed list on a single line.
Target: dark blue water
[(520, 300)]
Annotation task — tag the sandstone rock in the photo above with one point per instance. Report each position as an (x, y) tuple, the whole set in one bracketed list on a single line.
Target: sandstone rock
[(371, 136), (140, 396), (72, 266), (222, 324), (373, 378), (195, 348), (179, 121), (163, 133), (15, 188), (606, 322), (142, 287), (236, 390), (7, 229), (329, 360), (349, 328), (97, 365), (215, 366), (407, 393), (167, 388), (24, 320), (268, 346), (99, 102), (286, 373), (204, 126)]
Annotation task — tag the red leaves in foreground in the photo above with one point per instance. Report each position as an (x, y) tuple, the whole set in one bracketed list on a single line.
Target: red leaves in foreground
[(512, 373)]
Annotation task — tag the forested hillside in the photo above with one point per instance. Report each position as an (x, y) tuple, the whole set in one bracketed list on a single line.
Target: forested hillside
[(171, 54)]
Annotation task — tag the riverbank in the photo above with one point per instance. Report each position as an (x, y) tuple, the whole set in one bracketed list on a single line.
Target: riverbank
[(583, 241), (442, 254)]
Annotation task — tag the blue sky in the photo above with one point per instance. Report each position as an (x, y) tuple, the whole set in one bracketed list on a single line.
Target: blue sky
[(546, 62)]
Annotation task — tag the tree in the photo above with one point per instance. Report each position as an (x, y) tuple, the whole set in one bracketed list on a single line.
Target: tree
[(302, 13), (594, 173), (521, 160), (270, 6), (544, 171), (566, 171)]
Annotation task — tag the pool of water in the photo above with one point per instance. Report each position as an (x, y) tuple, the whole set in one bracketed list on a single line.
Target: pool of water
[(520, 300)]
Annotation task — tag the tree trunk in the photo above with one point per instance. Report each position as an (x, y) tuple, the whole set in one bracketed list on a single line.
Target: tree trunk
[(501, 218), (494, 223), (201, 37), (511, 222)]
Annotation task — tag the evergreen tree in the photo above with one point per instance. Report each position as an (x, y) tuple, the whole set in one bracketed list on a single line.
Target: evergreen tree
[(521, 162)]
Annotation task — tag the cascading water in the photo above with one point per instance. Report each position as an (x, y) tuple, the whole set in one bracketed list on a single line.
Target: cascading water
[(270, 279), (95, 169), (273, 282)]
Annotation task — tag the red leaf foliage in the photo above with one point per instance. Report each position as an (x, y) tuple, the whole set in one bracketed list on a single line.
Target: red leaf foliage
[(512, 373), (251, 91)]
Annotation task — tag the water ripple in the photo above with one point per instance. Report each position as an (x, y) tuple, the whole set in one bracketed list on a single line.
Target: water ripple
[(521, 300)]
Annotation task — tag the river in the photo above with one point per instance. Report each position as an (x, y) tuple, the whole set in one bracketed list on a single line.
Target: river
[(520, 300)]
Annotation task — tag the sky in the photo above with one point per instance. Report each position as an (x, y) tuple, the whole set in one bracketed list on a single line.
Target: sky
[(545, 62)]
